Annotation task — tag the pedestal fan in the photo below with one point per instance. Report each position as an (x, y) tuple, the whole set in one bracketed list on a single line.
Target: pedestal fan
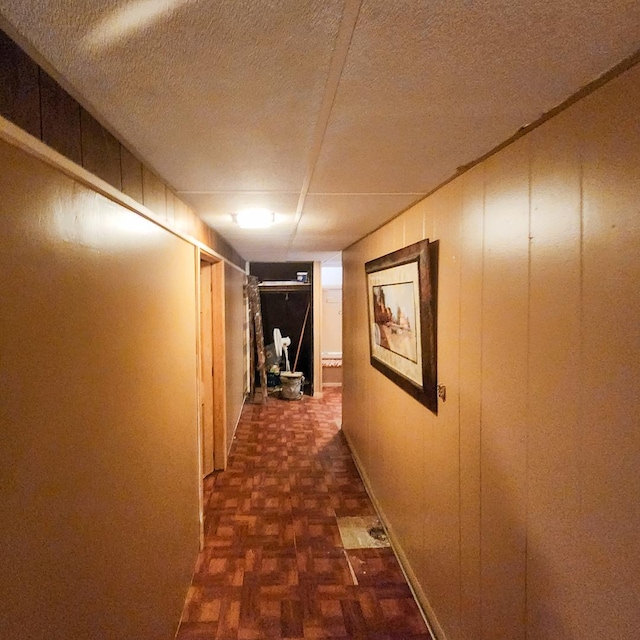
[(292, 381), (282, 346)]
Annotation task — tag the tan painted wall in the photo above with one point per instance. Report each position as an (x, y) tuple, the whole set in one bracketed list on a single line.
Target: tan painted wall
[(235, 319), (331, 320), (517, 509), (98, 462)]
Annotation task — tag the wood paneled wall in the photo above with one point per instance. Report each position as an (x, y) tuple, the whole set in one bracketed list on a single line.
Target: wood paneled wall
[(99, 478), (34, 101), (517, 509), (19, 87), (235, 332)]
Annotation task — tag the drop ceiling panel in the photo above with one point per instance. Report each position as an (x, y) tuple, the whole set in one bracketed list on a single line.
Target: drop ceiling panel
[(262, 252), (217, 208), (328, 243), (213, 95), (250, 242), (256, 100), (327, 258), (333, 222), (277, 235), (337, 212), (258, 244), (430, 86)]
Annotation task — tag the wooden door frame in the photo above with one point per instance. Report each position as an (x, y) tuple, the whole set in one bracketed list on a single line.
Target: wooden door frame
[(220, 445), (205, 357), (218, 343)]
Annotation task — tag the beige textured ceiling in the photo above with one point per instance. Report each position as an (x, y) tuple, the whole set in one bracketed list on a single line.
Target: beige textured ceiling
[(337, 114)]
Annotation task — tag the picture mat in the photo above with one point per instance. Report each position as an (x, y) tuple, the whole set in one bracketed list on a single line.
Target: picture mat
[(404, 273)]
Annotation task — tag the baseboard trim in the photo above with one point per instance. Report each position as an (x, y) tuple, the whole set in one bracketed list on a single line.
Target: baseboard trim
[(429, 616)]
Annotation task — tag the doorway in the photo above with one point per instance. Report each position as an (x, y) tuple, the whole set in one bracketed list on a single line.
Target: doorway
[(211, 352), (206, 369)]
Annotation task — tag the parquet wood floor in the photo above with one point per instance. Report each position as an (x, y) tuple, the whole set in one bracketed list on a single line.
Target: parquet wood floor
[(273, 565)]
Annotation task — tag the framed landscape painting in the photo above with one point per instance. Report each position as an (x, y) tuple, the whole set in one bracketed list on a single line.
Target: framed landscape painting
[(401, 292)]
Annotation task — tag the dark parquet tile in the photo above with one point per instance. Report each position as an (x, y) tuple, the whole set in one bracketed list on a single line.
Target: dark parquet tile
[(272, 565)]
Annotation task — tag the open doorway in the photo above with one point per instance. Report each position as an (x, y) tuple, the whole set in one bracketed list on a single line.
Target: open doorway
[(207, 451), (211, 356), (331, 337)]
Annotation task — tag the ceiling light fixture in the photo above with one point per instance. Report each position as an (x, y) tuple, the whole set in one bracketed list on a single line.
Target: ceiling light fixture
[(255, 218)]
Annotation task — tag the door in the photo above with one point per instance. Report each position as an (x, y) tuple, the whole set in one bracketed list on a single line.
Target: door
[(206, 368)]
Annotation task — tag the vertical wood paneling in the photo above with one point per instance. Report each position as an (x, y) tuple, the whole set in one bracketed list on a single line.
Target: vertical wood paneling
[(392, 409), (207, 373), (442, 459), (182, 216), (131, 169), (35, 102), (206, 235), (215, 242), (219, 365), (428, 219), (235, 316), (554, 375), (504, 392), (411, 496), (470, 392), (548, 359), (412, 220), (171, 208), (357, 381), (422, 569), (203, 233), (610, 402), (380, 397), (395, 235), (154, 193), (100, 151), (390, 405), (60, 119), (412, 493), (19, 88)]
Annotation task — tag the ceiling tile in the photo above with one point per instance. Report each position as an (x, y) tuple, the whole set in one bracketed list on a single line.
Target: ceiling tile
[(333, 222), (430, 86), (231, 96), (212, 206), (213, 95)]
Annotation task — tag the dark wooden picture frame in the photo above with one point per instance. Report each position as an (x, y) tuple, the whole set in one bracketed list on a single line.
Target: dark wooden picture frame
[(402, 305)]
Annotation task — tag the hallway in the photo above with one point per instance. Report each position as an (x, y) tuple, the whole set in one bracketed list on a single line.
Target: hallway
[(273, 563)]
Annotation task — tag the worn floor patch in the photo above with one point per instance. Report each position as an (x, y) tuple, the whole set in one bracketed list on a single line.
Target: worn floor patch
[(362, 532)]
